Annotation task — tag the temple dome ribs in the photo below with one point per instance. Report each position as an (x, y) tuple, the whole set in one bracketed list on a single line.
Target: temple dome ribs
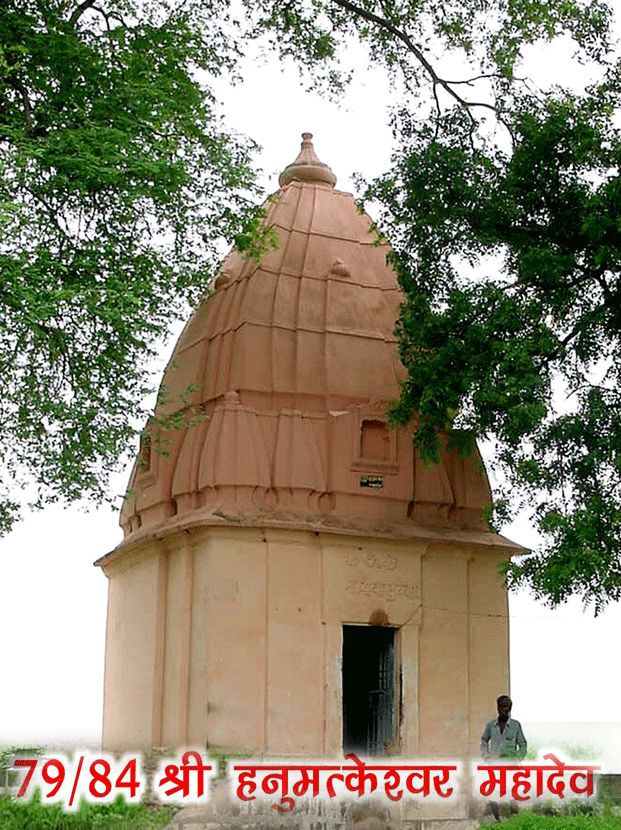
[(292, 362)]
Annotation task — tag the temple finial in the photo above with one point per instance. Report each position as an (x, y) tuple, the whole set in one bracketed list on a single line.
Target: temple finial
[(307, 167)]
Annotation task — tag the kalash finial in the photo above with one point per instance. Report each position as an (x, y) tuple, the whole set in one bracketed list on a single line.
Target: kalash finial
[(307, 167)]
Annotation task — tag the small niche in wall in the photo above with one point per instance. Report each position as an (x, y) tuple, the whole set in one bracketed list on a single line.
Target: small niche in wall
[(374, 440), (376, 445), (146, 463), (144, 453)]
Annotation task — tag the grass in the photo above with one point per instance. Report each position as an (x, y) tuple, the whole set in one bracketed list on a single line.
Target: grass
[(604, 820), (575, 752), (118, 815), (32, 814)]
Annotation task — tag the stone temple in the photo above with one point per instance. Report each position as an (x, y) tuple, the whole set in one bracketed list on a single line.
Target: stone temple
[(293, 581)]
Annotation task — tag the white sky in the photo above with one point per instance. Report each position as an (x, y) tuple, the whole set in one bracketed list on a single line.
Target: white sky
[(53, 601)]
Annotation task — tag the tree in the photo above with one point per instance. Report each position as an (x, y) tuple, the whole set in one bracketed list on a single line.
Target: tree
[(503, 208), (528, 351), (508, 247), (103, 124), (117, 180)]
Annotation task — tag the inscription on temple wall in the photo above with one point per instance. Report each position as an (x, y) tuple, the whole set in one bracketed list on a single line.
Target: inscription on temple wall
[(381, 561), (358, 580), (388, 591)]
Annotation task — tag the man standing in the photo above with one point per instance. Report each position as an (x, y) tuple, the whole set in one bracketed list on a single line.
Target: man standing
[(503, 738)]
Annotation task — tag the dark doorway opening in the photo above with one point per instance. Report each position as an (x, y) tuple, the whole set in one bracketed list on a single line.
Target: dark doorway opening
[(368, 688)]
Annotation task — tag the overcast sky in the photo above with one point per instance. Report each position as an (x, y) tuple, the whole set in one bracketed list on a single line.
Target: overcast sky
[(53, 601)]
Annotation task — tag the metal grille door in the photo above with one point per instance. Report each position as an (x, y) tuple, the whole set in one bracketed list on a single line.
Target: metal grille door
[(368, 688)]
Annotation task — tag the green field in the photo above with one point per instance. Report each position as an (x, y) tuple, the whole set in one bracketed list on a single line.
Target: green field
[(32, 815), (606, 820)]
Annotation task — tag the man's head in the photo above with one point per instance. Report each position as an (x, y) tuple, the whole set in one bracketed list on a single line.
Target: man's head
[(503, 704)]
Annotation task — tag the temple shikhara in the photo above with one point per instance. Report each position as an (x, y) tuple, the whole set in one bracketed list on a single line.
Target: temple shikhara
[(293, 580)]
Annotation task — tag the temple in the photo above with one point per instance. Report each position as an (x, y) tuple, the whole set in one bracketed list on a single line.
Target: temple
[(293, 580)]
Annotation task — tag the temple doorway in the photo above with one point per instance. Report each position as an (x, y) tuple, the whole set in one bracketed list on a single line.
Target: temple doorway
[(368, 689)]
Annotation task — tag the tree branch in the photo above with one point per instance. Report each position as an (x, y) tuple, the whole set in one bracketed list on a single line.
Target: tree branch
[(386, 24), (79, 11), (19, 87)]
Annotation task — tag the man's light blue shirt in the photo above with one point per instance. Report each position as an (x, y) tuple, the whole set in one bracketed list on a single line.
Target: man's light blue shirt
[(510, 743)]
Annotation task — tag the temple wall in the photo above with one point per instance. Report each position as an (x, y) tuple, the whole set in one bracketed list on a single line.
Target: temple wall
[(488, 642), (443, 665), (233, 648), (250, 645), (130, 654)]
